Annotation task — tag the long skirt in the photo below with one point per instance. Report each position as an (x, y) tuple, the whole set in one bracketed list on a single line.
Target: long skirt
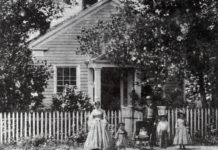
[(98, 137), (182, 136)]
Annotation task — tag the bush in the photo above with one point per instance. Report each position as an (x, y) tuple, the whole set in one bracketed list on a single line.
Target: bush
[(71, 99), (80, 136)]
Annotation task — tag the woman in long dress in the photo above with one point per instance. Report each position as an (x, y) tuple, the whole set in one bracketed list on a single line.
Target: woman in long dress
[(99, 137), (182, 137)]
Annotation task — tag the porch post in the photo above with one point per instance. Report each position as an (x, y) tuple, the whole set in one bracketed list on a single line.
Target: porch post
[(130, 79), (137, 84), (121, 91), (91, 84), (97, 84)]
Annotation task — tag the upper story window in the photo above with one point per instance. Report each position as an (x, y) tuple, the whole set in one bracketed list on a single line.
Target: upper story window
[(65, 76)]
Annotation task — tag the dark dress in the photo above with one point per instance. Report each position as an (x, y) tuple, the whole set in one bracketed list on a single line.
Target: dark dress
[(150, 113)]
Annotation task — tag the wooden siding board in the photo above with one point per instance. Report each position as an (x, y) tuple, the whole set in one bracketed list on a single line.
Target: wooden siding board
[(62, 48)]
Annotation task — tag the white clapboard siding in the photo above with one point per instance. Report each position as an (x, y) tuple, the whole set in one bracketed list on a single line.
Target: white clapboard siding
[(61, 125)]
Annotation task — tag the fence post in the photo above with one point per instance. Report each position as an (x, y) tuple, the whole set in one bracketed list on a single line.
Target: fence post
[(173, 124), (77, 122), (202, 122), (168, 117), (30, 124), (217, 118), (58, 122), (65, 124), (1, 128), (54, 121), (46, 125), (25, 124), (9, 127), (62, 132), (34, 124), (205, 121), (17, 126), (21, 125), (50, 131), (115, 126), (73, 122), (42, 122), (195, 121), (69, 124), (37, 123)]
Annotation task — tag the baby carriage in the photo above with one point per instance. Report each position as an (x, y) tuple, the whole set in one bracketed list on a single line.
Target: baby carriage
[(141, 135)]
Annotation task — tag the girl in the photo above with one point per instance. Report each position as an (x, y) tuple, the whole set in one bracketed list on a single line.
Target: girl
[(121, 137), (98, 137), (181, 137), (163, 131)]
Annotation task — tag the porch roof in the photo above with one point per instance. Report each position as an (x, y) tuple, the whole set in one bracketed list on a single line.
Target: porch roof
[(102, 62)]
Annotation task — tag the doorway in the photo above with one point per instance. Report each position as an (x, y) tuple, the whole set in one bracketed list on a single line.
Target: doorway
[(110, 86)]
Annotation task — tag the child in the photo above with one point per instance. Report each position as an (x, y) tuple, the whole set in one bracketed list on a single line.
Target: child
[(181, 138), (143, 133), (143, 136), (121, 137), (163, 131)]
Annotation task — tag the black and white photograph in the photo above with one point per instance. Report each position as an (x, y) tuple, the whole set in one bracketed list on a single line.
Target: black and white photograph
[(108, 74)]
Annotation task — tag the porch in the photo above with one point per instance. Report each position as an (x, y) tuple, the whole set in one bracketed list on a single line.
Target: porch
[(129, 80)]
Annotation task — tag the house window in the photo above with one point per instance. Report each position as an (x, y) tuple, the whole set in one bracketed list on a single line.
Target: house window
[(65, 76)]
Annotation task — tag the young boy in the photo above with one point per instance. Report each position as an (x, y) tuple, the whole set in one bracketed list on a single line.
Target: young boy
[(163, 131)]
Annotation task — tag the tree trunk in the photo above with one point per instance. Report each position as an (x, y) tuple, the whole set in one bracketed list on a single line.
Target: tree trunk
[(202, 89), (215, 93)]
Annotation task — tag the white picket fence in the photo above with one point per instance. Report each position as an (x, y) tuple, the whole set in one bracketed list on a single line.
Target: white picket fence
[(15, 126), (60, 125), (197, 120)]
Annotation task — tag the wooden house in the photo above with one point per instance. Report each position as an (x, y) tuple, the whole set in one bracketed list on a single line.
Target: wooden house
[(59, 45)]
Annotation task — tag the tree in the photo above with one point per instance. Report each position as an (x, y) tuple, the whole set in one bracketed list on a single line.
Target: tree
[(23, 79), (167, 39)]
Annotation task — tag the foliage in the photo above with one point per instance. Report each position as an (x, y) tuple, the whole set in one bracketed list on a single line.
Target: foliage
[(24, 16), (71, 100), (209, 139), (23, 79), (80, 136), (30, 142), (166, 39)]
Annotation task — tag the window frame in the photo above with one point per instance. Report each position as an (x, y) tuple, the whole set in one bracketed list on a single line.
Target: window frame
[(77, 67)]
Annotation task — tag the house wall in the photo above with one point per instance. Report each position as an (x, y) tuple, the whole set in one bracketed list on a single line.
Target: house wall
[(62, 47)]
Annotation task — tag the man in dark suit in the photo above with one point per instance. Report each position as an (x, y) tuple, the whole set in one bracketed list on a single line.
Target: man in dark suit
[(150, 114)]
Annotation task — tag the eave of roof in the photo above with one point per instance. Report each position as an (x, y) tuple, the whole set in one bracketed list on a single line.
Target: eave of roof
[(34, 43)]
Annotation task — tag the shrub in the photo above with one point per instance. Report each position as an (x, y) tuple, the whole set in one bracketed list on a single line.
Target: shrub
[(79, 137), (71, 99)]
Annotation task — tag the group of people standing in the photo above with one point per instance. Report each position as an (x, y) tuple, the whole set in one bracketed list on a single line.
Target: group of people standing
[(99, 137)]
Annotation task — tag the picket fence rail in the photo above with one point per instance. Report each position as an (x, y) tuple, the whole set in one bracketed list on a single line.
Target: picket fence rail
[(15, 126)]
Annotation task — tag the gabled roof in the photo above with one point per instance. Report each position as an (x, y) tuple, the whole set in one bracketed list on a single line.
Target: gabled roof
[(72, 20)]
